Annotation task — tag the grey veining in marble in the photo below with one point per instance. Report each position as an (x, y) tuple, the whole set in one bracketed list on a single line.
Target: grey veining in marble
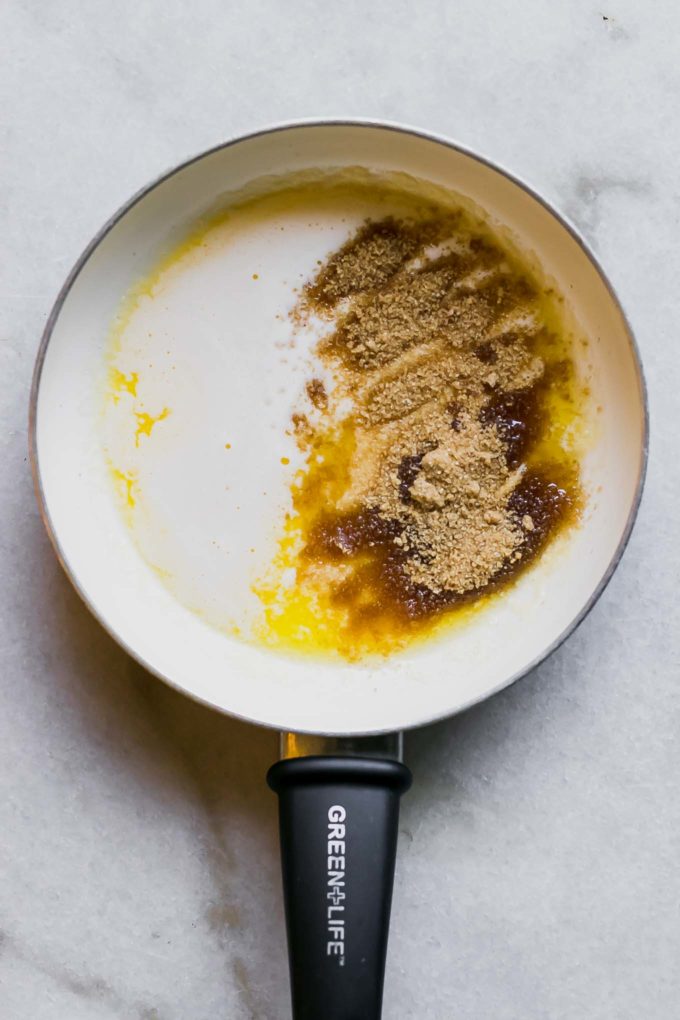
[(538, 874)]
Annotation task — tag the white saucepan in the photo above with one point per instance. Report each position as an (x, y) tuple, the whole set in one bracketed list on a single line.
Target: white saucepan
[(338, 793)]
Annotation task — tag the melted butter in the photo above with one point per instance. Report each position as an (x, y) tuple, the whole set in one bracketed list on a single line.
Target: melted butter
[(353, 621), (146, 422), (120, 383), (337, 586), (373, 612), (125, 483), (368, 614)]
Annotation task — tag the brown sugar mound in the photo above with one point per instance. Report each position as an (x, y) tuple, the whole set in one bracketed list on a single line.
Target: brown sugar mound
[(371, 257), (436, 343)]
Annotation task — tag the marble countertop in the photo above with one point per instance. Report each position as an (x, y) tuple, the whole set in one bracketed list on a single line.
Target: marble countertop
[(538, 874)]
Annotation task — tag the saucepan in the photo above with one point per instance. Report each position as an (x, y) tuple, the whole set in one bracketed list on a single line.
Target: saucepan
[(340, 776)]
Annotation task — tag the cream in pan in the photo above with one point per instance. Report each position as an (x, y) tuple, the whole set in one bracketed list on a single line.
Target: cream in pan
[(203, 496)]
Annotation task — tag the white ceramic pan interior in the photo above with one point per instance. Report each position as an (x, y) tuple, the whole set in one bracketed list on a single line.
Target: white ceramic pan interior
[(220, 449)]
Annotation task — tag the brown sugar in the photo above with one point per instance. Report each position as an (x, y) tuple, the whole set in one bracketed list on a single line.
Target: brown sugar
[(316, 391), (371, 257), (441, 489)]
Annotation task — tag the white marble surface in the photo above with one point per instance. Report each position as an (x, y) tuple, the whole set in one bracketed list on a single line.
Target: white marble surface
[(538, 877)]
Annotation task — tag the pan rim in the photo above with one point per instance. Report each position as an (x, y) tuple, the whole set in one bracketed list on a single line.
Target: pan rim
[(278, 127)]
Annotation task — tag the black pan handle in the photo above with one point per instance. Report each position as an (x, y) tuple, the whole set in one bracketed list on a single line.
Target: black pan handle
[(339, 818)]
